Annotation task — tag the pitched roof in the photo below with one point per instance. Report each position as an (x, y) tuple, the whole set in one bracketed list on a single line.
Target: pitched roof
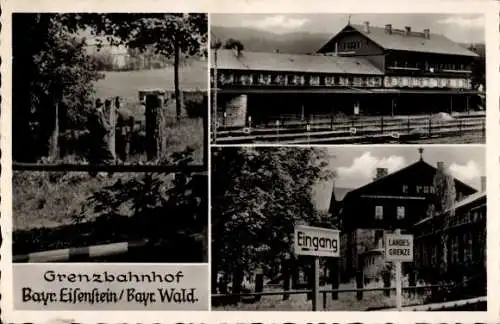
[(418, 164), (470, 199), (282, 62), (462, 203), (338, 194), (414, 42)]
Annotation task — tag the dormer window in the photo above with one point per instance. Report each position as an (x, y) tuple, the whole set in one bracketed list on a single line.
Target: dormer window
[(400, 212)]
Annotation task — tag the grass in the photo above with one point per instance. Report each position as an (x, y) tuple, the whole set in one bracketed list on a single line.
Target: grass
[(345, 302), (43, 199), (52, 210), (193, 76), (180, 134)]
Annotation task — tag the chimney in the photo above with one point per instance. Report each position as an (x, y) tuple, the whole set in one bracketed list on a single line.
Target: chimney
[(407, 30), (367, 26), (427, 33), (483, 184), (388, 29), (440, 166), (237, 51), (381, 172)]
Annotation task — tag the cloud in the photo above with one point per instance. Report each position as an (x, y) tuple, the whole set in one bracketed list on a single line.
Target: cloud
[(363, 168), (470, 22), (277, 21), (467, 172)]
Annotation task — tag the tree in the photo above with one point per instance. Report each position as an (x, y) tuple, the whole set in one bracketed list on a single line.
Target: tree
[(173, 35), (444, 186), (232, 43), (258, 195), (51, 72)]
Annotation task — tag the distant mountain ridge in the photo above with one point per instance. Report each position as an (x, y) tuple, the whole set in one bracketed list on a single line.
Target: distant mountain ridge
[(262, 41), (255, 40)]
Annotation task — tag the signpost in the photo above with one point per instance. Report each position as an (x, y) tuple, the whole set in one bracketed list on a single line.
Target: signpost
[(398, 248), (316, 242)]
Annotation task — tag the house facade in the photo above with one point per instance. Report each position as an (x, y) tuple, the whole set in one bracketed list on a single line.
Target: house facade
[(392, 201), (363, 70), (463, 231)]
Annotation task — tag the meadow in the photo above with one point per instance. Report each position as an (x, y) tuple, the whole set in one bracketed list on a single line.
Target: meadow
[(192, 76)]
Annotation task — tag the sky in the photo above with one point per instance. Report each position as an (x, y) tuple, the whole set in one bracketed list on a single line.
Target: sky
[(458, 27), (356, 166)]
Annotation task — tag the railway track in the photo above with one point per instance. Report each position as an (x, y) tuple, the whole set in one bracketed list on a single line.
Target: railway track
[(356, 131)]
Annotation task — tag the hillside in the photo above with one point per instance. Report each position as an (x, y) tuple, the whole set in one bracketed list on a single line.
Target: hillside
[(262, 41), (296, 43)]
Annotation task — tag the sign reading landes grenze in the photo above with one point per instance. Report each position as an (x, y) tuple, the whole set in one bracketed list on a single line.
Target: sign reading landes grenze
[(399, 247)]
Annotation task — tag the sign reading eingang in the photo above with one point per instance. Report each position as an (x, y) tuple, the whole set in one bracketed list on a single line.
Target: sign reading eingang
[(316, 241)]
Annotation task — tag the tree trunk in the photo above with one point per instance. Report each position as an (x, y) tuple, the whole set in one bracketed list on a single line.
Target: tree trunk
[(155, 127), (444, 255), (178, 106), (54, 142)]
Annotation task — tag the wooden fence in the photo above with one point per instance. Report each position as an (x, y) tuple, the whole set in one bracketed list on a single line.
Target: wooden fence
[(434, 290)]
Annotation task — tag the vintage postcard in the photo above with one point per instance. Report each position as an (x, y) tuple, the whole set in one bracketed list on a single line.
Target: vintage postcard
[(250, 161)]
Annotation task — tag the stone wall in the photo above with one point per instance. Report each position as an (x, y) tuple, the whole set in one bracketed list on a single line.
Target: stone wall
[(235, 110)]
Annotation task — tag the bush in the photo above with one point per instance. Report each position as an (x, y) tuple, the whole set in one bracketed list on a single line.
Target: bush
[(170, 210), (196, 103)]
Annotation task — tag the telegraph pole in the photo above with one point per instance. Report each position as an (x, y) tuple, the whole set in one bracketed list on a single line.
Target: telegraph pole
[(214, 92)]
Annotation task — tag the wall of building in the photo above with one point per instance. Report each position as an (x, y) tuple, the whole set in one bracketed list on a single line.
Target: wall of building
[(465, 239), (232, 110), (357, 43), (373, 264), (423, 61)]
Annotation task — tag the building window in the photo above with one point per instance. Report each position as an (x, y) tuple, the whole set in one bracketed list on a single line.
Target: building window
[(467, 247), (424, 254), (434, 255), (400, 212), (314, 80), (405, 188), (379, 212), (454, 250)]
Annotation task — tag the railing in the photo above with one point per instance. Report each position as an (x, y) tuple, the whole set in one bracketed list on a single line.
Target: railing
[(434, 289), (331, 130), (111, 168)]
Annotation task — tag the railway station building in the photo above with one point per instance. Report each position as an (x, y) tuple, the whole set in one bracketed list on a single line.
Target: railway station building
[(405, 200), (362, 70)]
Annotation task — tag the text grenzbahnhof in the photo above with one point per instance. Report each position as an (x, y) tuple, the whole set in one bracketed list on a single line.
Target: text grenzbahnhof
[(109, 276)]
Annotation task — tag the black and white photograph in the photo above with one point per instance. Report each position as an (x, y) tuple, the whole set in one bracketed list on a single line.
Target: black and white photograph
[(348, 228), (110, 137), (348, 79)]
